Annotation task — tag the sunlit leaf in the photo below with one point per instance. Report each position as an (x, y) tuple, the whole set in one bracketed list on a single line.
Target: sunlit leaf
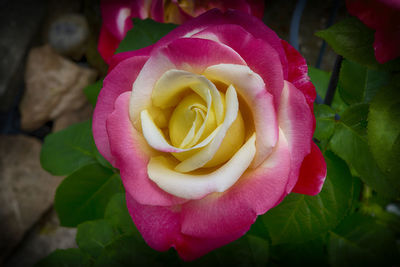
[(84, 195)]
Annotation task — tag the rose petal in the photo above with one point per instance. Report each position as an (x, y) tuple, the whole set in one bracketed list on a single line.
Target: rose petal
[(119, 80), (156, 139), (160, 228), (190, 248), (296, 121), (252, 88), (382, 16), (182, 54), (131, 154), (197, 186), (297, 73), (108, 44), (157, 10), (164, 95), (215, 17), (387, 44), (117, 58), (115, 16), (258, 190), (312, 173), (260, 57), (174, 82), (200, 158)]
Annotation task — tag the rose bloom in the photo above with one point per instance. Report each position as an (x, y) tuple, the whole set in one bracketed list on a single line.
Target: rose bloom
[(384, 17), (209, 127), (117, 15)]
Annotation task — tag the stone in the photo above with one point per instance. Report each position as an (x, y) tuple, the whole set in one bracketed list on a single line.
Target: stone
[(73, 117), (44, 238), (19, 22), (54, 86), (26, 190), (69, 35)]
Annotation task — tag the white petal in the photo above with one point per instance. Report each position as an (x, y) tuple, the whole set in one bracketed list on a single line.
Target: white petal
[(252, 88), (197, 186), (156, 139), (199, 159), (173, 82)]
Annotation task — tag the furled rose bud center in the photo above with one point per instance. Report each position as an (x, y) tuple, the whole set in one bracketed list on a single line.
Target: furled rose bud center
[(195, 125), (186, 129)]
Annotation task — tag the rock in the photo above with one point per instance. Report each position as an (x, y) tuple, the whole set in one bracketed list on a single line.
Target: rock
[(26, 190), (68, 35), (54, 86), (19, 22), (46, 237), (72, 117)]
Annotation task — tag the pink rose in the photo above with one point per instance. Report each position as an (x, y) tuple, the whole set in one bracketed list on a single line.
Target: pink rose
[(209, 127), (117, 15), (384, 17)]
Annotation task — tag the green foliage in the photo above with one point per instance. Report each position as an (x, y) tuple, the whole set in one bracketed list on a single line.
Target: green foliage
[(93, 236), (144, 33), (300, 218), (384, 132), (360, 241), (117, 215), (358, 84), (249, 250), (310, 253), (68, 150), (71, 257), (335, 227), (354, 41), (351, 39), (351, 144), (127, 251), (320, 79), (325, 122), (92, 91), (84, 195)]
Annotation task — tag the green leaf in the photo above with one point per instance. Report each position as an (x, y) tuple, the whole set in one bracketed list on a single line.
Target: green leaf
[(118, 216), (353, 40), (300, 218), (360, 241), (358, 84), (350, 143), (84, 195), (66, 151), (92, 91), (310, 253), (128, 251), (320, 79), (71, 257), (249, 250), (144, 33), (384, 131), (93, 236), (325, 118)]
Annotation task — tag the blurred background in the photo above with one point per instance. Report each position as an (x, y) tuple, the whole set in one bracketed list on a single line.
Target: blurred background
[(48, 55)]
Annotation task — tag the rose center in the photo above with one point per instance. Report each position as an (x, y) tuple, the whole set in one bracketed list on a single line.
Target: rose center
[(193, 120)]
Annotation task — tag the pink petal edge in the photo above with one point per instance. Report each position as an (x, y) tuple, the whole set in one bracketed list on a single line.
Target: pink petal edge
[(131, 153), (312, 173)]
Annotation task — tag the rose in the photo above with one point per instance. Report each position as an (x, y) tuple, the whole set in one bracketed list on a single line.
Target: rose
[(117, 15), (383, 17), (209, 127)]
